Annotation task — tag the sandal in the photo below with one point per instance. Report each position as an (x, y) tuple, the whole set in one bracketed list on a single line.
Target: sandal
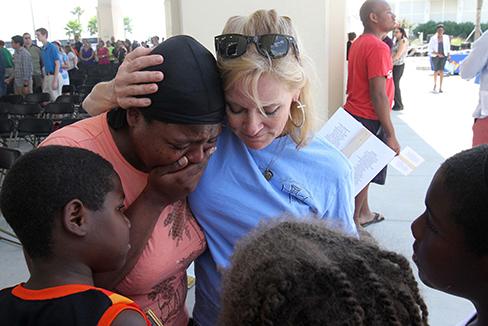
[(377, 218)]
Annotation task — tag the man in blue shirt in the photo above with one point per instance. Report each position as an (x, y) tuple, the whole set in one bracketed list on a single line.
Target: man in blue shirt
[(49, 53)]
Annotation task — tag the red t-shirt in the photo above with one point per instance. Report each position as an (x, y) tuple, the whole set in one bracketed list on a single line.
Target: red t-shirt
[(369, 57)]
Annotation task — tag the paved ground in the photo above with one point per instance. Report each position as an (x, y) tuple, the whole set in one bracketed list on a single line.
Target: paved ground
[(436, 126)]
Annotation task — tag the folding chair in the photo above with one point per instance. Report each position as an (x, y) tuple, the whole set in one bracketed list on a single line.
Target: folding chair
[(33, 130), (65, 98), (7, 158), (67, 89), (7, 127), (67, 122), (22, 110), (81, 113), (4, 110), (13, 99), (60, 109), (77, 78), (37, 98)]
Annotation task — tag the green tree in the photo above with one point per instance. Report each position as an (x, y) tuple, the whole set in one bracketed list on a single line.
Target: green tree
[(127, 26), (427, 28), (77, 12), (93, 25), (461, 30), (72, 28)]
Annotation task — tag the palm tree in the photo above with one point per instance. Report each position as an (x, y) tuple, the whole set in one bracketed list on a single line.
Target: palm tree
[(127, 26), (72, 28), (77, 12), (93, 25), (477, 28)]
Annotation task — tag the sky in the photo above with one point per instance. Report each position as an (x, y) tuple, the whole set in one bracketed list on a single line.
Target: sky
[(147, 17)]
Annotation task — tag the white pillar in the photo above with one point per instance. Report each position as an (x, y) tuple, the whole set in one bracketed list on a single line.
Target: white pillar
[(110, 20), (427, 15), (443, 10), (335, 48), (173, 17), (460, 11)]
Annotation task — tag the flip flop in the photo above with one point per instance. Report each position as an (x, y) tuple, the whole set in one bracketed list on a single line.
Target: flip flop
[(377, 218)]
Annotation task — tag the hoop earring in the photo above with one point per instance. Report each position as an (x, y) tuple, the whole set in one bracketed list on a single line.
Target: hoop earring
[(301, 107)]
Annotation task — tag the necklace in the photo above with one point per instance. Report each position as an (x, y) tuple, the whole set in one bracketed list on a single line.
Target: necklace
[(267, 172)]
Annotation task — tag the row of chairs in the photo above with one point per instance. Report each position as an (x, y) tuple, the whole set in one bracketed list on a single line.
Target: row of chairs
[(51, 110), (40, 98), (87, 76), (32, 130)]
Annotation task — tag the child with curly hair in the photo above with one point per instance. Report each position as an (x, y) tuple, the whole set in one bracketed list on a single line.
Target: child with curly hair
[(296, 272)]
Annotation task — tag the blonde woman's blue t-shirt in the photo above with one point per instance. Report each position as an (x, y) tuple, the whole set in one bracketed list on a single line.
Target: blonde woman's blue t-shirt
[(233, 196)]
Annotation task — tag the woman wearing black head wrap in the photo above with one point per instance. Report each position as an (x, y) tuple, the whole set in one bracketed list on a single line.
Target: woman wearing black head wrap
[(160, 154)]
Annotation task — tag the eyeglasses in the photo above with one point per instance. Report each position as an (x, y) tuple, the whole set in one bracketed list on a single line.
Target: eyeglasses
[(274, 46)]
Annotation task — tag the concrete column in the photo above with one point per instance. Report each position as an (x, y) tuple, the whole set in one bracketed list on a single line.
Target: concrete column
[(335, 18), (110, 20), (427, 15), (460, 11), (173, 17)]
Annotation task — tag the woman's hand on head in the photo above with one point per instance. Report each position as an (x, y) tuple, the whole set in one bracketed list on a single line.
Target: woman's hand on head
[(130, 81)]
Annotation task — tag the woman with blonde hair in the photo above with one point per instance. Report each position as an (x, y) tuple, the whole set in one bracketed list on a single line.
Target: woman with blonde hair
[(267, 161)]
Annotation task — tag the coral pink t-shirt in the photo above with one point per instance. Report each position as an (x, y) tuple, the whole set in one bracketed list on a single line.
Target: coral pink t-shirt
[(158, 280), (369, 57)]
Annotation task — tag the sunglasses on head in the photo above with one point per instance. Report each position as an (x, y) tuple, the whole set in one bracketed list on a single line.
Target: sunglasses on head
[(274, 46)]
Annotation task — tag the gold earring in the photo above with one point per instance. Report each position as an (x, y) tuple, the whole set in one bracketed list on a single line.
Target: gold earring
[(302, 110)]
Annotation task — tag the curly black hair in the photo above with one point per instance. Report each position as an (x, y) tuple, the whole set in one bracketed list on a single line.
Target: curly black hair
[(42, 182), (465, 177), (295, 272)]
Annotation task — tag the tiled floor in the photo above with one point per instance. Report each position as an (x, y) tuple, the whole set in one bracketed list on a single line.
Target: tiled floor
[(436, 126)]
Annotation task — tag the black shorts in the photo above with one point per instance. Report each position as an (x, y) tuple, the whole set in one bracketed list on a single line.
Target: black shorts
[(439, 63), (374, 126)]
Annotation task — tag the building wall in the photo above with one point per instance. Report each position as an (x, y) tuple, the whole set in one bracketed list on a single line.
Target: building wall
[(320, 25)]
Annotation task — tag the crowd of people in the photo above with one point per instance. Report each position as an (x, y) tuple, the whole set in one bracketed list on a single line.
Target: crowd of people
[(214, 160), (24, 72)]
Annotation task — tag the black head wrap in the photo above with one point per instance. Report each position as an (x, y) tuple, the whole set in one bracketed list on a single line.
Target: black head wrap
[(191, 91)]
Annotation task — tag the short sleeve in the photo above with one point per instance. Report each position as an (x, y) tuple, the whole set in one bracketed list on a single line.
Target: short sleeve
[(379, 62), (62, 141), (53, 53)]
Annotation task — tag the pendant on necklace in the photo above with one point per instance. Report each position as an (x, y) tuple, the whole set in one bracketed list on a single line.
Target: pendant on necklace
[(268, 174)]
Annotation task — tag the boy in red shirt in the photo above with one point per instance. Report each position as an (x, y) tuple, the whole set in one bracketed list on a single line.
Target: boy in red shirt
[(370, 90)]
